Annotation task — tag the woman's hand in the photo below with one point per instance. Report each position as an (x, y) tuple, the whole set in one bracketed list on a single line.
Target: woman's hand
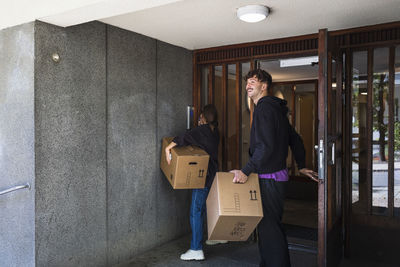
[(168, 155)]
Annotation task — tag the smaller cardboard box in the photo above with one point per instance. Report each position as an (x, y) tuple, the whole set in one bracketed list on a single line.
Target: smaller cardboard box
[(233, 210), (188, 168)]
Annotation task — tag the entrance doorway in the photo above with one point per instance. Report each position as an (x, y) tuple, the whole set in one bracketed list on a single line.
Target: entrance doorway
[(223, 85)]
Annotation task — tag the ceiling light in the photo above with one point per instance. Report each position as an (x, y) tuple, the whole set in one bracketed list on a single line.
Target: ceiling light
[(252, 13)]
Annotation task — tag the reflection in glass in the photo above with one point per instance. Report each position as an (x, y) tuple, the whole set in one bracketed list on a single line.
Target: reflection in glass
[(231, 119), (359, 131), (245, 103), (397, 132), (219, 104), (380, 119), (204, 86)]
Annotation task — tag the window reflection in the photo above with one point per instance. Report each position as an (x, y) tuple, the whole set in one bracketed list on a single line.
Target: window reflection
[(380, 120), (397, 133), (359, 131)]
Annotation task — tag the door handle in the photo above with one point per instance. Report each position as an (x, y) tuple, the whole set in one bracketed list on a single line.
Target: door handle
[(321, 169)]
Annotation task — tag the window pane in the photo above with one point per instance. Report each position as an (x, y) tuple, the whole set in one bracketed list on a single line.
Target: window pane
[(359, 131), (245, 143), (380, 119), (397, 133), (232, 135), (218, 102), (204, 86)]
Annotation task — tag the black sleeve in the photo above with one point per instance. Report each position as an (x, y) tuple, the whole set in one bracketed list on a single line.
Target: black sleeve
[(187, 138), (297, 147), (264, 140)]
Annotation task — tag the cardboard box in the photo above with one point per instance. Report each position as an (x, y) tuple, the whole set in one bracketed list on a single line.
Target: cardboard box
[(188, 168), (233, 210)]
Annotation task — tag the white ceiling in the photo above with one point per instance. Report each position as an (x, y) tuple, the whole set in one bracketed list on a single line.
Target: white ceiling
[(196, 24)]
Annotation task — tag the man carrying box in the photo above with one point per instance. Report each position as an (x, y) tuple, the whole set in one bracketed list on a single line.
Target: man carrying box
[(271, 135)]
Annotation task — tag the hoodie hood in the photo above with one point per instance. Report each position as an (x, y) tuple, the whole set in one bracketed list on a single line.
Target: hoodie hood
[(280, 104)]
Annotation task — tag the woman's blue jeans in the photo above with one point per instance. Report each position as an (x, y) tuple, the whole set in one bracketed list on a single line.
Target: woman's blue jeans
[(197, 211)]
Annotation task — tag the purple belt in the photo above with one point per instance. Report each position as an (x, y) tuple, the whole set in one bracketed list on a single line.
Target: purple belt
[(279, 176)]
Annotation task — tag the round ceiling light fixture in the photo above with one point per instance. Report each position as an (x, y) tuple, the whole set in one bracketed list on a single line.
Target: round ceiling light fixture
[(252, 13)]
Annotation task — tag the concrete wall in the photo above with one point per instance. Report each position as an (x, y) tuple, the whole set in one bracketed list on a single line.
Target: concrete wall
[(17, 161), (149, 87), (70, 117), (100, 115)]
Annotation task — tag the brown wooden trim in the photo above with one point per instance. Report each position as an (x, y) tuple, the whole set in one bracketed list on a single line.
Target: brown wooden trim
[(372, 44), (272, 48), (211, 84), (322, 237), (295, 82), (224, 115), (238, 112), (376, 221), (339, 129), (316, 125), (252, 67), (293, 166), (330, 174), (382, 26), (369, 128), (197, 90), (347, 200), (391, 132), (260, 43)]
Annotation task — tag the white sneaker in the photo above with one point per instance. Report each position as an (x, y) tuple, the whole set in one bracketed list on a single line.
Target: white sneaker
[(215, 242), (197, 255)]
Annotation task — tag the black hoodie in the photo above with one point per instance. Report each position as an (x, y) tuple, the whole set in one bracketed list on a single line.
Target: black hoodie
[(271, 135)]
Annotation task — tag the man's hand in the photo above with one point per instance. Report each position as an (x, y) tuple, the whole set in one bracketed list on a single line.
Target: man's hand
[(309, 173), (240, 177)]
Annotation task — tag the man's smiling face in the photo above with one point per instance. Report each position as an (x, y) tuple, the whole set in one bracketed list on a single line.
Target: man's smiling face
[(255, 89)]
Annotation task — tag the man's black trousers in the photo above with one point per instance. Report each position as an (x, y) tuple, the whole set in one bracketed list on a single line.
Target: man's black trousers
[(272, 241)]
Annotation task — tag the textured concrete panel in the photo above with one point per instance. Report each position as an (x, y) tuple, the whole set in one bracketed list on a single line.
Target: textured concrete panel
[(131, 142), (17, 161), (70, 118), (174, 94)]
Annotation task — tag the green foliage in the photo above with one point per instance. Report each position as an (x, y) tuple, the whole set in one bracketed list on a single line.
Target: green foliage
[(397, 136)]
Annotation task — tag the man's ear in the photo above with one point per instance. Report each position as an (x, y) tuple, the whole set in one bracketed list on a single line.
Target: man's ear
[(264, 87)]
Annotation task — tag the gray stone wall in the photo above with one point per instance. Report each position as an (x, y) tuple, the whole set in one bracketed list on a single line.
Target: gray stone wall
[(149, 86), (17, 161), (86, 132), (70, 118), (174, 93)]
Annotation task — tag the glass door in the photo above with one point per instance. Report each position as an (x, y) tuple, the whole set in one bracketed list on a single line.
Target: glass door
[(329, 149)]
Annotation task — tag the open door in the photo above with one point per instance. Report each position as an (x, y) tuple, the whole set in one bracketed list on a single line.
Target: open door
[(329, 149)]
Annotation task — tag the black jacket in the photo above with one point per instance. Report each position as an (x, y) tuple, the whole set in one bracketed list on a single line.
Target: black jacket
[(271, 135), (206, 139)]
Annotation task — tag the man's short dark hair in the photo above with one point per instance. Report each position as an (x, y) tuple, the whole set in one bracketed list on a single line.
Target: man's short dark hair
[(261, 75)]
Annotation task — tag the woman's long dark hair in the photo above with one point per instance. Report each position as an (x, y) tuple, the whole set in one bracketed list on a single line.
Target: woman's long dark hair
[(210, 114)]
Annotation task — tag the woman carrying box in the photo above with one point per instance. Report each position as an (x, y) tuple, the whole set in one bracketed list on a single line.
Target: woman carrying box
[(206, 137)]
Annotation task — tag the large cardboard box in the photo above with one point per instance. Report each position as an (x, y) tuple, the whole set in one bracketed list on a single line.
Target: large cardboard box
[(233, 210), (188, 168)]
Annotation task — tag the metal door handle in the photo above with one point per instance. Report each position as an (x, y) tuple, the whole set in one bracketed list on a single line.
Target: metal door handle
[(321, 170)]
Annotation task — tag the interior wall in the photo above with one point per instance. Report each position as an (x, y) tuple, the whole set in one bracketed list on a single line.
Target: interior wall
[(17, 160)]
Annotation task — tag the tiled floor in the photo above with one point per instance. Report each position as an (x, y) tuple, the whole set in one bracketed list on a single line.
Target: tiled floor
[(243, 254), (302, 243)]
